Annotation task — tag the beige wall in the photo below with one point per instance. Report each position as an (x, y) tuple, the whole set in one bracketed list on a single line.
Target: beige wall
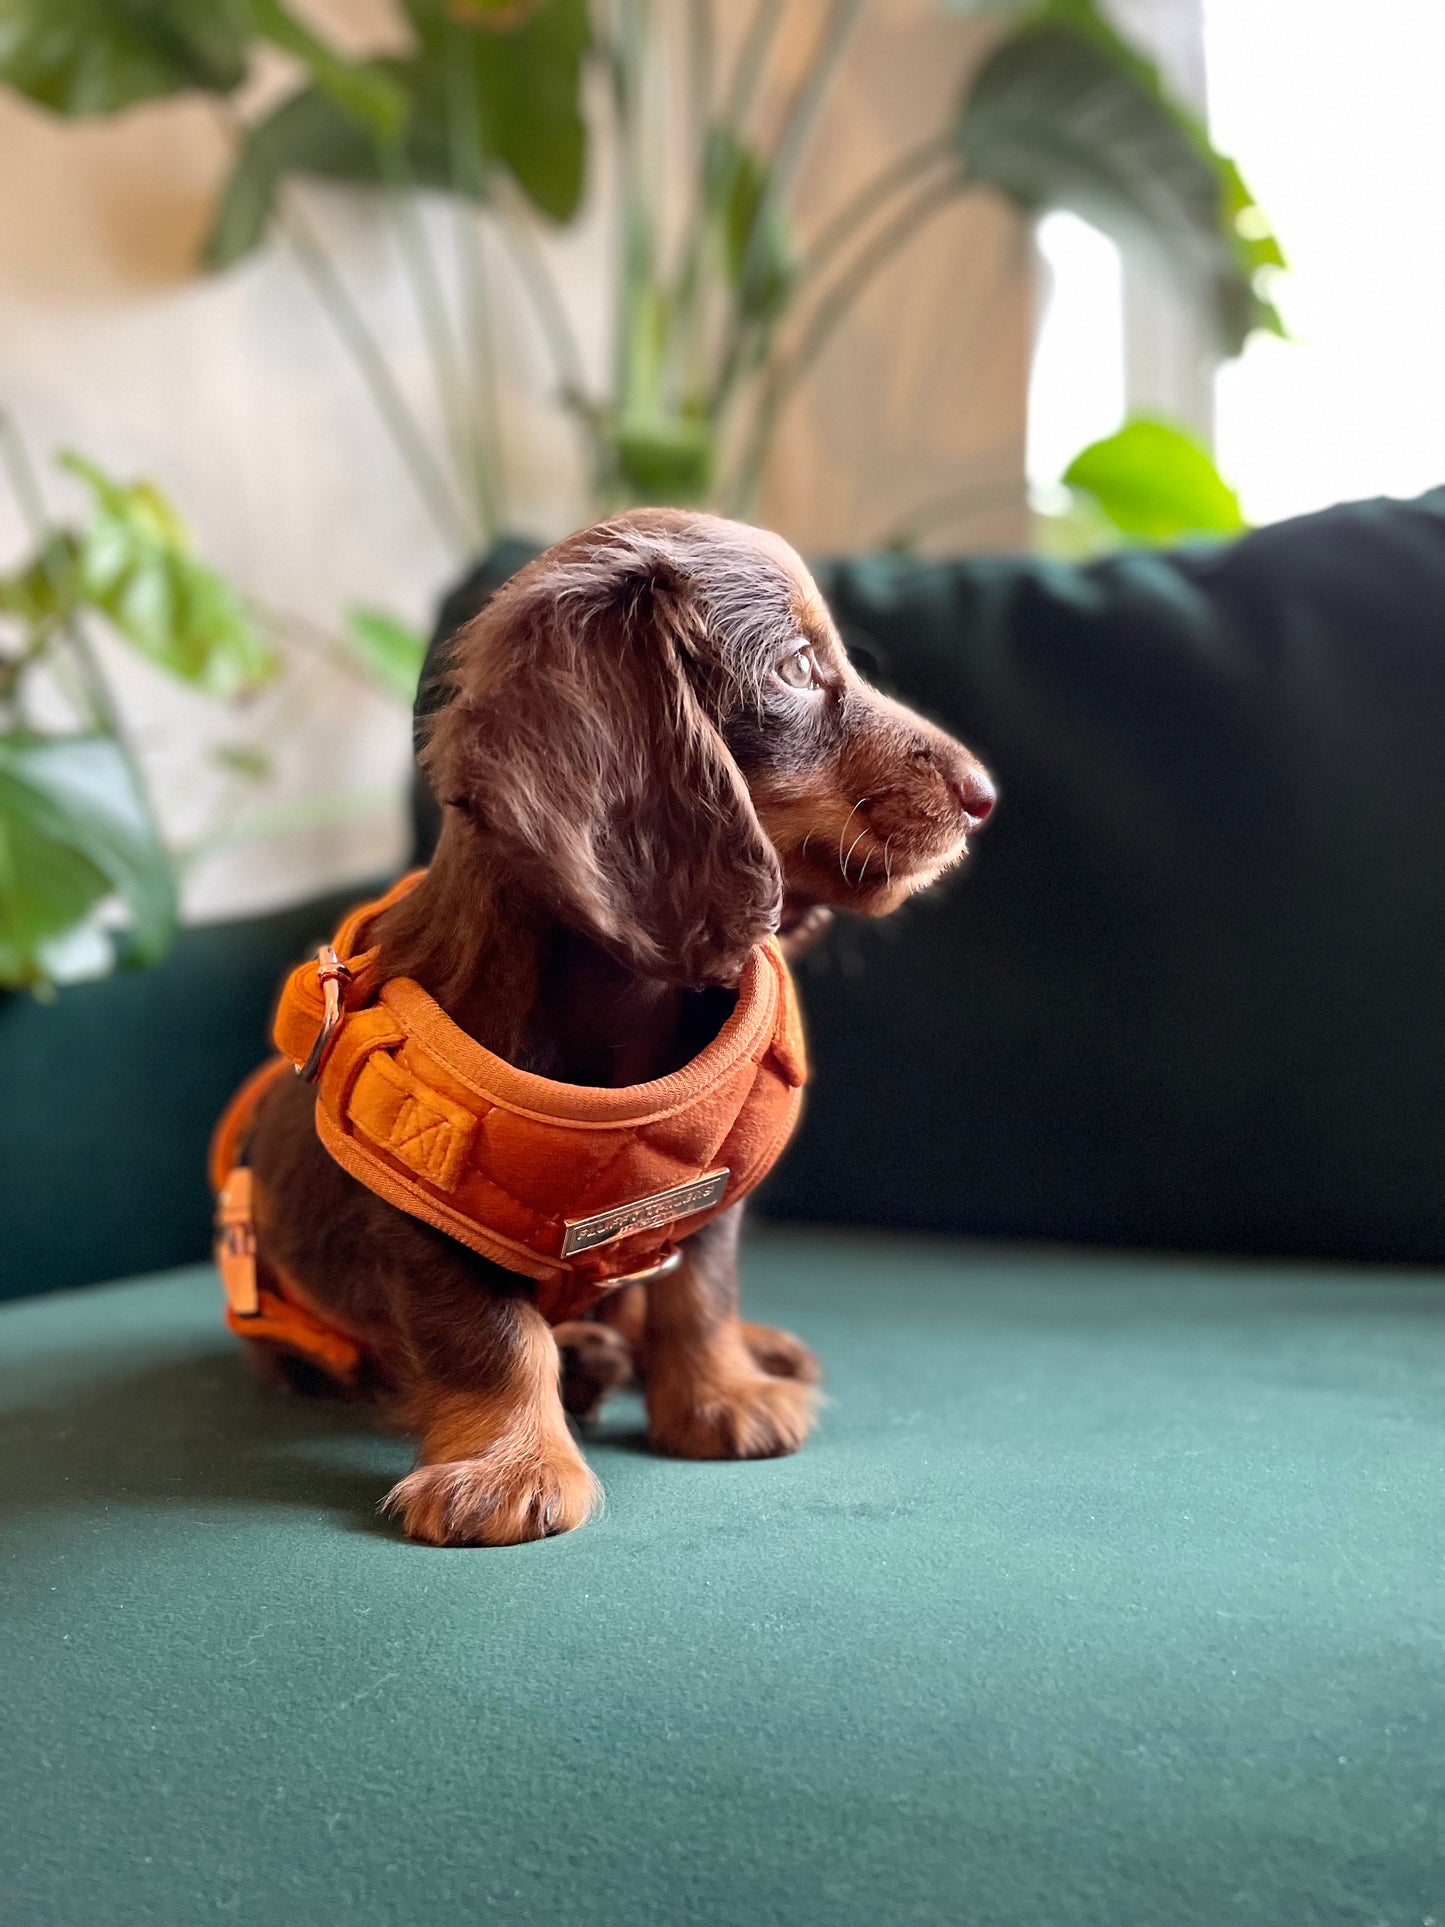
[(231, 393)]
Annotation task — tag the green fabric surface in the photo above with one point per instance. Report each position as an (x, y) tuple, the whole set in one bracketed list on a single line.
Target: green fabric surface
[(1107, 1595)]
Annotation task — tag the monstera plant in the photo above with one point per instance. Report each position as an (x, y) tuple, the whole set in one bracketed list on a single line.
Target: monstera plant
[(715, 319)]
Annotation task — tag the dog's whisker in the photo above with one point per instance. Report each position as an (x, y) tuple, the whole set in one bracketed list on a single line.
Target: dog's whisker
[(842, 860), (887, 866), (851, 848)]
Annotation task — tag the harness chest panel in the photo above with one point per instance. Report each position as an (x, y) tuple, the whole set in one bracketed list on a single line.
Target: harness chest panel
[(577, 1187)]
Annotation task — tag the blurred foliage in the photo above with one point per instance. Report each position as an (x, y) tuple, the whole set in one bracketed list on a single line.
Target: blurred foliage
[(75, 829), (516, 93), (389, 651), (1151, 482), (78, 834), (716, 321), (134, 565), (1066, 114)]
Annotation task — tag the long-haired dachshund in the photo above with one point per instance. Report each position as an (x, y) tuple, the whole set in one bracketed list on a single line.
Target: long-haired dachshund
[(653, 754)]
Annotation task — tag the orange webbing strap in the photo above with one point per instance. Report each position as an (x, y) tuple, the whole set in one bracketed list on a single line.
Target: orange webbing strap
[(281, 1321), (235, 1121), (255, 1309)]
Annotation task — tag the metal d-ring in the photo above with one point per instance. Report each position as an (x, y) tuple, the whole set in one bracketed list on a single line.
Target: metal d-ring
[(667, 1263), (332, 974)]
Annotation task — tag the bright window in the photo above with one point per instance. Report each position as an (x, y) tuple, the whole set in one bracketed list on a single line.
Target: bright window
[(1076, 383), (1334, 115)]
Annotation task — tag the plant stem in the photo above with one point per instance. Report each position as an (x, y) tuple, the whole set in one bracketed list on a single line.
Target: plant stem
[(391, 404), (637, 366), (787, 158), (687, 346), (751, 61), (12, 668), (24, 482), (466, 165), (431, 306), (514, 225), (848, 220), (788, 370), (94, 689), (700, 51), (109, 722), (798, 123), (312, 637)]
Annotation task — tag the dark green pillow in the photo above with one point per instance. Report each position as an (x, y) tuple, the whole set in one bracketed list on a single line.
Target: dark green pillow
[(110, 1094)]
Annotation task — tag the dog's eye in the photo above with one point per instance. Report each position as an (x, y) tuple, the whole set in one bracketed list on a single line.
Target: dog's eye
[(798, 669)]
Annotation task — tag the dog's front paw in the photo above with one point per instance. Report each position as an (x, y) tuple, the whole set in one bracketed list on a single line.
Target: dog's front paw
[(782, 1353), (505, 1498), (750, 1416)]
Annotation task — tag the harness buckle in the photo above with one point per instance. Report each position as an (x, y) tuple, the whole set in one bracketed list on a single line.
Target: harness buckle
[(235, 1244), (332, 973)]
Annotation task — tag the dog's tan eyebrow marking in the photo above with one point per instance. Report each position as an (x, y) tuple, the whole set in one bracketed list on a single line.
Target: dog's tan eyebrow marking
[(810, 612)]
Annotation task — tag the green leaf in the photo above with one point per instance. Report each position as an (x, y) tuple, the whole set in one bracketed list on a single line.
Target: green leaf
[(1065, 114), (661, 459), (361, 89), (99, 56), (307, 134), (48, 588), (518, 89), (761, 265), (390, 652), (524, 66), (1155, 483), (74, 829), (138, 569)]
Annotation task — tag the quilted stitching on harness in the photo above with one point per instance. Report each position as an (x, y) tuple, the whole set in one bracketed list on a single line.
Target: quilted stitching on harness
[(423, 1138), (422, 1128)]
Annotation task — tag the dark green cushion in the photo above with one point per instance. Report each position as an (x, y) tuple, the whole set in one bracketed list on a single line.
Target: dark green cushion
[(1190, 992), (110, 1093), (1108, 1595)]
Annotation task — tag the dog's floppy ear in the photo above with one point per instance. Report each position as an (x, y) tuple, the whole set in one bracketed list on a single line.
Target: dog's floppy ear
[(574, 740)]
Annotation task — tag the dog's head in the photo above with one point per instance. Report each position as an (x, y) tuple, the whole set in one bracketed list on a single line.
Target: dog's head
[(656, 729)]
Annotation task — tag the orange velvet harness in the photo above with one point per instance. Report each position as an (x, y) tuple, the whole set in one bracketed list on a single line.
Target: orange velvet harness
[(576, 1187)]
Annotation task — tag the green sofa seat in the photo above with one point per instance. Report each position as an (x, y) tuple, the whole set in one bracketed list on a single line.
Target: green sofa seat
[(1108, 1593)]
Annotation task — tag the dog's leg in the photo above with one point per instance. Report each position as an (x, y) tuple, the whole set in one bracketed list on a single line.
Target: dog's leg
[(625, 1311), (498, 1464), (707, 1396), (596, 1360)]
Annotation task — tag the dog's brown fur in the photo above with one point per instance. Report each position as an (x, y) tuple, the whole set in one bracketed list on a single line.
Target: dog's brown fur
[(633, 795)]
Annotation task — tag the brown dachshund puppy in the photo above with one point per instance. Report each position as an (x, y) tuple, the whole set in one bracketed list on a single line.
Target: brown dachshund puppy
[(654, 753)]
